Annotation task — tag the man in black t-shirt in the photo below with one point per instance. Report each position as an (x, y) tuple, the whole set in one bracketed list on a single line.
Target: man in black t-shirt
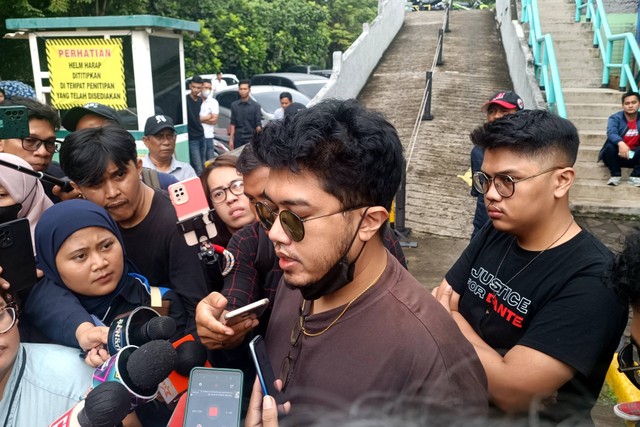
[(197, 146), (529, 292), (246, 117)]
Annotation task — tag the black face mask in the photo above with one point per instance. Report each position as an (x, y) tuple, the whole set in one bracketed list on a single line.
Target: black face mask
[(9, 213), (338, 276)]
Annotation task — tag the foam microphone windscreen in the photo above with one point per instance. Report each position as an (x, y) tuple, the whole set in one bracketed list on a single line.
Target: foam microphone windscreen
[(190, 355), (157, 328), (105, 406), (151, 363)]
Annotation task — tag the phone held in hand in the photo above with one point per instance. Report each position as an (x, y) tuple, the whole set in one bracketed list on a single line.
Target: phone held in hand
[(190, 203), (265, 371), (16, 254), (242, 313), (214, 398)]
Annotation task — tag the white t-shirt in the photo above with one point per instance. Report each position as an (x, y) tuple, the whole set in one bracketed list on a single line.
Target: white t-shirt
[(217, 85), (209, 106)]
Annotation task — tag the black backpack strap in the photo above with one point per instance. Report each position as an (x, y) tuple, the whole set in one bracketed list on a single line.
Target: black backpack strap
[(150, 177)]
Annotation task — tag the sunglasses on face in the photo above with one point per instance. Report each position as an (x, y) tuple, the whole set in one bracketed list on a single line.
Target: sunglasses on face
[(629, 363), (291, 223)]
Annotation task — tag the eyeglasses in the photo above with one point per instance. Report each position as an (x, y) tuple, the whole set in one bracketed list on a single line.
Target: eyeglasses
[(219, 195), (629, 362), (292, 224), (31, 143), (7, 318), (289, 362), (169, 136), (505, 185)]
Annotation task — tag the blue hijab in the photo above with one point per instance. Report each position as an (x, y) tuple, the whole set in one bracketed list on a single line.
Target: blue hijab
[(56, 225)]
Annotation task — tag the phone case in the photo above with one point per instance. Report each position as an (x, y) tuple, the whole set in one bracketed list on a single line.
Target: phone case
[(214, 397), (189, 201), (16, 254), (258, 351), (14, 121)]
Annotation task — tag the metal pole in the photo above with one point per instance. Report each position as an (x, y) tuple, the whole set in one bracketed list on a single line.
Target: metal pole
[(427, 107), (446, 20), (401, 196), (441, 45)]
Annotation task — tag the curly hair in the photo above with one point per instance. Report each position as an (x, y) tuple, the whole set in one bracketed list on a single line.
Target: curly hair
[(625, 271)]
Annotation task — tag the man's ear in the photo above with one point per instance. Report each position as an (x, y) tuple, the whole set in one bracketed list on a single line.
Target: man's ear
[(374, 218), (564, 181), (139, 165), (145, 139)]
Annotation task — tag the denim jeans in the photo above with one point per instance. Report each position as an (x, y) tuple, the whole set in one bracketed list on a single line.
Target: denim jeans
[(615, 163), (197, 154), (211, 152)]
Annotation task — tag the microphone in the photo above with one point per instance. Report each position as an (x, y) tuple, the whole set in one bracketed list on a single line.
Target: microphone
[(64, 183), (139, 369), (191, 353), (138, 327), (105, 406)]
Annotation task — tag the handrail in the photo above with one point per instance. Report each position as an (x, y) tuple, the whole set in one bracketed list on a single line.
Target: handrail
[(424, 113), (598, 17), (544, 58)]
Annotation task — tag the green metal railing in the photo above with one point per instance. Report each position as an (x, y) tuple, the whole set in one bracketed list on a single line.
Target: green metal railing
[(544, 58), (604, 39)]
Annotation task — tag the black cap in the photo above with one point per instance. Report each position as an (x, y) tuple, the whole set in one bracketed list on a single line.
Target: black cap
[(157, 123), (293, 108), (73, 116)]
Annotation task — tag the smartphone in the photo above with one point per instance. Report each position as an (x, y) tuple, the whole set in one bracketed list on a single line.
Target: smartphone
[(214, 398), (265, 371), (190, 202), (16, 254), (243, 313), (14, 122)]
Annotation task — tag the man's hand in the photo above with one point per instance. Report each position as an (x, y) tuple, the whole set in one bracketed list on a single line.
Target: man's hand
[(73, 194), (623, 150), (212, 328), (263, 411), (3, 282), (90, 336), (443, 294)]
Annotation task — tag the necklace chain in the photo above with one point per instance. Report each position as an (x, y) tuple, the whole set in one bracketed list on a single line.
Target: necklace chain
[(495, 276), (315, 334)]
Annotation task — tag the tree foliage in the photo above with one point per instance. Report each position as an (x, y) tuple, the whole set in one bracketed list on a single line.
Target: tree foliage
[(244, 37)]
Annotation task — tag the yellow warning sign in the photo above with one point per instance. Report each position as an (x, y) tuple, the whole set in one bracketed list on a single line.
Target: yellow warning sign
[(86, 70)]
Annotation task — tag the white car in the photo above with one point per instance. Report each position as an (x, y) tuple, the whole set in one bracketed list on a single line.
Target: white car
[(267, 96)]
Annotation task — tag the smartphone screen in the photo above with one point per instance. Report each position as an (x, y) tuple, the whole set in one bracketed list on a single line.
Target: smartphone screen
[(16, 254), (265, 371), (214, 398)]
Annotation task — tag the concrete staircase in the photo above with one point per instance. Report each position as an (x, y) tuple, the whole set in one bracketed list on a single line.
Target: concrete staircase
[(588, 107)]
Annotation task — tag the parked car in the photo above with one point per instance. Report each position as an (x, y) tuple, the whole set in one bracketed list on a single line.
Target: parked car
[(309, 84), (231, 80), (267, 96)]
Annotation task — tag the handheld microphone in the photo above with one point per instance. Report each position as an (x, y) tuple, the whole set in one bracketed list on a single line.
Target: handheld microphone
[(138, 327), (64, 183), (139, 369), (105, 406), (191, 354)]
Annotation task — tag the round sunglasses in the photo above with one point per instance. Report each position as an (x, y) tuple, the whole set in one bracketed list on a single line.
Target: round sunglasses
[(292, 224)]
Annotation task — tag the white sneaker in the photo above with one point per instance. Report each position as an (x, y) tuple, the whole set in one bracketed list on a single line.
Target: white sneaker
[(614, 180), (635, 181)]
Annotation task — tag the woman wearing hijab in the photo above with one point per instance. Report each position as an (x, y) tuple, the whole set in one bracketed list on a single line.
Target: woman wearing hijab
[(21, 195), (80, 250)]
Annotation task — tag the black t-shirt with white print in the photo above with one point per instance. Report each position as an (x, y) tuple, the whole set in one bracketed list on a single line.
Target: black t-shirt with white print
[(559, 305)]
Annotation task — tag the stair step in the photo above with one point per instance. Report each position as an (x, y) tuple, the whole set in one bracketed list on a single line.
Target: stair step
[(623, 194), (586, 123), (592, 138), (592, 170), (581, 83), (588, 154), (591, 110), (593, 205), (592, 96)]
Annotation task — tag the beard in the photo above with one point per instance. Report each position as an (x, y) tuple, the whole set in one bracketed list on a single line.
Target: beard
[(324, 262)]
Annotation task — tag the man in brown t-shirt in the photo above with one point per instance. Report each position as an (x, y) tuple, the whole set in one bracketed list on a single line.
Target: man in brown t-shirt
[(350, 322)]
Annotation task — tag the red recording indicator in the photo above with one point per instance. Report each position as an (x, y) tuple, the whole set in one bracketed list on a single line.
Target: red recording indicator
[(213, 411)]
